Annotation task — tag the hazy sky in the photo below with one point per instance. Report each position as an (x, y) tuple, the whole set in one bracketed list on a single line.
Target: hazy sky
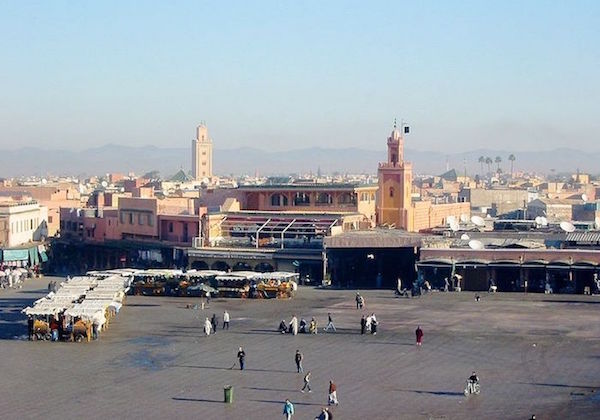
[(514, 75)]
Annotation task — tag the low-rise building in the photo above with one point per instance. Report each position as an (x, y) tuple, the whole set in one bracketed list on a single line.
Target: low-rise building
[(24, 221)]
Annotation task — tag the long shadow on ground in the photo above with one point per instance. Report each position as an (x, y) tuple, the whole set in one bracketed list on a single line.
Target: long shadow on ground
[(270, 389), (232, 368), (12, 322), (197, 400), (559, 385), (281, 402), (437, 393)]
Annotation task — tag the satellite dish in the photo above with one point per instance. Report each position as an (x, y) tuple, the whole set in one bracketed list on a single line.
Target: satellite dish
[(597, 222), (543, 221), (104, 184), (81, 189), (464, 218), (122, 189), (584, 197), (475, 244), (567, 227), (44, 181), (538, 220), (478, 221), (454, 226), (451, 220), (464, 237)]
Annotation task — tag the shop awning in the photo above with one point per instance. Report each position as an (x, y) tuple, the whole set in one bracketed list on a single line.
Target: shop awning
[(15, 255)]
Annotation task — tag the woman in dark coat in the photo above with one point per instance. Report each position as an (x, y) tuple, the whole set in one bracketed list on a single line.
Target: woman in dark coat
[(419, 334), (363, 324)]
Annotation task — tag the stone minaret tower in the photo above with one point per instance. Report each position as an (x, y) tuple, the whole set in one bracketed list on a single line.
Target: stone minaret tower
[(394, 205), (202, 154)]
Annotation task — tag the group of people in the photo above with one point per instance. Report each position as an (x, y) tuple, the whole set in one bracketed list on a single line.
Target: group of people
[(288, 407), (12, 278), (294, 327), (369, 324), (210, 325)]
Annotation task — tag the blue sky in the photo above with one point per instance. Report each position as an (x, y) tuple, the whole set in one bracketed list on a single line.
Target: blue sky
[(281, 75)]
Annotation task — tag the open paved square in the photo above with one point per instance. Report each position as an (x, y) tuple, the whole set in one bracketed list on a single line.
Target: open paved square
[(535, 354)]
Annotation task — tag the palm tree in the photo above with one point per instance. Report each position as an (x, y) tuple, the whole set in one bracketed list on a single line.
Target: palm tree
[(488, 162), (512, 158), (481, 161), (498, 160)]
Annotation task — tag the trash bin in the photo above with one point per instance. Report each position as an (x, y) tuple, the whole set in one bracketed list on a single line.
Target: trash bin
[(228, 391)]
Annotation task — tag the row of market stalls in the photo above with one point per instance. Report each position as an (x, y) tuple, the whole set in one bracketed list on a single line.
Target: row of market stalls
[(237, 284), (512, 270), (80, 309)]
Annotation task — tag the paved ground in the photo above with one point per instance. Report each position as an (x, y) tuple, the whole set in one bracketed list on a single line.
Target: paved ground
[(534, 354)]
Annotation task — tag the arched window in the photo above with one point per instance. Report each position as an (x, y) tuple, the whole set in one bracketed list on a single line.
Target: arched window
[(391, 191), (324, 198), (279, 200), (347, 198), (301, 199)]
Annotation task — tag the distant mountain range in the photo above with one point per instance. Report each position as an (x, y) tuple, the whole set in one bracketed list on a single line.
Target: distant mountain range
[(124, 159)]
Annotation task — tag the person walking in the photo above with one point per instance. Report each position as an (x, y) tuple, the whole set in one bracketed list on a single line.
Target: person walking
[(214, 322), (225, 320), (298, 358), (294, 325), (357, 298), (332, 393), (374, 324), (324, 415), (207, 327), (306, 383), (329, 323), (363, 324), (241, 357), (312, 328), (419, 334), (288, 410)]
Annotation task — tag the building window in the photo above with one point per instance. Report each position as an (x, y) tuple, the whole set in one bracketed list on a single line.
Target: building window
[(279, 200), (131, 218), (140, 219), (122, 217), (170, 227), (301, 199), (203, 153), (391, 191), (324, 198), (347, 198)]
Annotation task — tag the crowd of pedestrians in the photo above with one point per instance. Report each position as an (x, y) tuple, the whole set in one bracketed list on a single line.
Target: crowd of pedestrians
[(368, 324)]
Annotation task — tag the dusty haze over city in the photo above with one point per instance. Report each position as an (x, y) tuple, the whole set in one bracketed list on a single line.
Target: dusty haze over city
[(283, 75)]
